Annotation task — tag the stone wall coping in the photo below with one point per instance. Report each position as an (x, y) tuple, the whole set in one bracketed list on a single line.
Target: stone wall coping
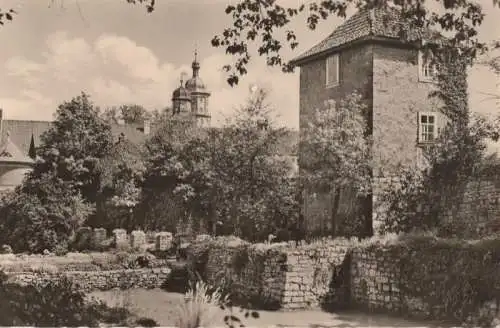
[(154, 270)]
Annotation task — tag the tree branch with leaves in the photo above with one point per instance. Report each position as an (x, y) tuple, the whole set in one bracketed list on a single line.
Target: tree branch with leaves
[(261, 22)]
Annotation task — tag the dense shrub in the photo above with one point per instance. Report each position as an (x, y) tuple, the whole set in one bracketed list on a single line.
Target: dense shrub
[(181, 277), (32, 224), (54, 304)]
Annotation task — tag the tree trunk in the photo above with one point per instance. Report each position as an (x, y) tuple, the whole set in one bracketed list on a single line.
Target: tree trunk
[(368, 215), (335, 208)]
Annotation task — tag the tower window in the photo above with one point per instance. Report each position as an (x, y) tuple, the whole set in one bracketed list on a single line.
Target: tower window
[(332, 70), (427, 127), (427, 69)]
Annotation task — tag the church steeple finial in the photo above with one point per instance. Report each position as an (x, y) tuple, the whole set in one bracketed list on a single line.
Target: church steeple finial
[(195, 65)]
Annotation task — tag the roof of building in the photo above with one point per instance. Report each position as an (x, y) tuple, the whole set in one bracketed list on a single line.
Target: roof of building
[(16, 136), (196, 84), (20, 132), (369, 23), (181, 93), (9, 152), (13, 178)]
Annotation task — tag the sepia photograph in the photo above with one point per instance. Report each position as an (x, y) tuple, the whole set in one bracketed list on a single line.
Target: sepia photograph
[(250, 163)]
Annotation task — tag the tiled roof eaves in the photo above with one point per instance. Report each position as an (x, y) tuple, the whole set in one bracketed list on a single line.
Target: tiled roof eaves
[(15, 161), (369, 38)]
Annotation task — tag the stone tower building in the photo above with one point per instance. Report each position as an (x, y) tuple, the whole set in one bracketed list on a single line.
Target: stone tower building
[(366, 54), (190, 100)]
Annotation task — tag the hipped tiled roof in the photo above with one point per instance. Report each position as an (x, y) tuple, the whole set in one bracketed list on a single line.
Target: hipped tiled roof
[(377, 23)]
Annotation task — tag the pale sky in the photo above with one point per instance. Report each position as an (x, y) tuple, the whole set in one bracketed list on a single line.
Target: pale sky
[(116, 52)]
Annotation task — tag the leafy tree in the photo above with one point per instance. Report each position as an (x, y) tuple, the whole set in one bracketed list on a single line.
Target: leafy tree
[(71, 149), (264, 22), (121, 175), (234, 175), (130, 114), (44, 220), (175, 171), (252, 171), (336, 153), (59, 194), (417, 199)]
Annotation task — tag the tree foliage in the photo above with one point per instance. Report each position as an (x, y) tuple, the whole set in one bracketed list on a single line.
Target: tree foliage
[(35, 222), (336, 151), (71, 149), (419, 198), (59, 194), (252, 170), (234, 176), (8, 15), (128, 113), (263, 22), (121, 177)]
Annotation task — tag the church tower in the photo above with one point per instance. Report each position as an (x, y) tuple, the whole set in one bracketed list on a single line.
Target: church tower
[(199, 96), (181, 101)]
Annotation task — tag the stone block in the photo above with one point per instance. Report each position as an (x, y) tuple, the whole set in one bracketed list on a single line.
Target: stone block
[(120, 238), (163, 241), (99, 235), (138, 239), (202, 237)]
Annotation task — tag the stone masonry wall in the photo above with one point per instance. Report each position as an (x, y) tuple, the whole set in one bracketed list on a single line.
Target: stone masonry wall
[(475, 211), (292, 277), (88, 281), (310, 271), (254, 272), (471, 211), (403, 275), (375, 281), (426, 279)]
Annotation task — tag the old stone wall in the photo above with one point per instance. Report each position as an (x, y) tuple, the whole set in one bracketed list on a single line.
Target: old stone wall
[(375, 280), (279, 275), (88, 281), (474, 211), (417, 276), (310, 272), (470, 210), (427, 278), (251, 271)]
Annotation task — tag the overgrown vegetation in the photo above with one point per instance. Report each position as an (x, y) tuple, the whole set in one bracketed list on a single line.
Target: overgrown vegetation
[(419, 198), (455, 278), (335, 160), (55, 304), (233, 180)]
